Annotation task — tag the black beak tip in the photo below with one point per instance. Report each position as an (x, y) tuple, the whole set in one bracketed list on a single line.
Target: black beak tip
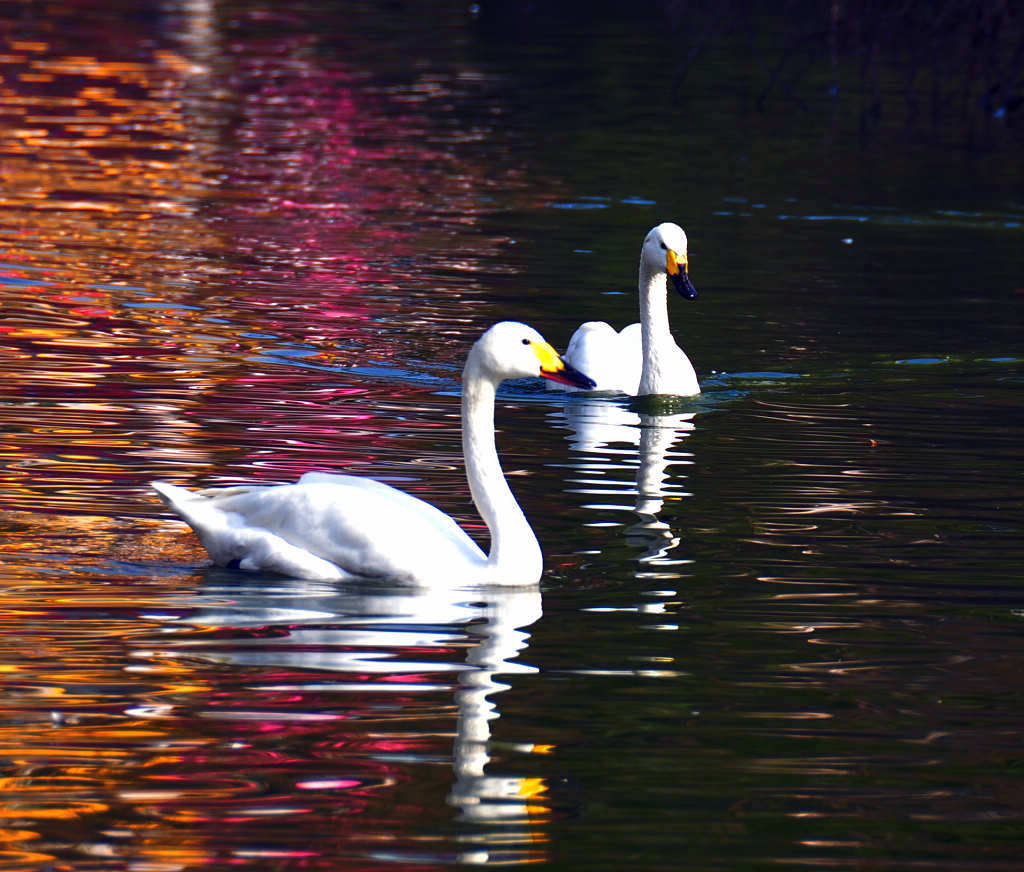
[(684, 286), (569, 375), (578, 378)]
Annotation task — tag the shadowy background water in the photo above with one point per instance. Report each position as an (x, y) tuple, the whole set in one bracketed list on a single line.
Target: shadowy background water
[(779, 627)]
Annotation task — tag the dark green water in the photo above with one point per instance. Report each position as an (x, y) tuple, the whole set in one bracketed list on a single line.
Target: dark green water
[(780, 625)]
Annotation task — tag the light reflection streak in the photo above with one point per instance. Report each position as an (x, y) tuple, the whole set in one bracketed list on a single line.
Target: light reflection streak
[(601, 429)]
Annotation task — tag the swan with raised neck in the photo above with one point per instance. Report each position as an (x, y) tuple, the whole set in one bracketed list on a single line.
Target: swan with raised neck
[(330, 527), (643, 358)]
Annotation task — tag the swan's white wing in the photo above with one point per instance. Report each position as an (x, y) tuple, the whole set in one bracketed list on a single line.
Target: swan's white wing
[(329, 527), (361, 482), (611, 359)]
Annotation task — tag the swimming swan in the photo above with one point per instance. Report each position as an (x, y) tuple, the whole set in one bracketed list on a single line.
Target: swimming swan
[(334, 527), (643, 358)]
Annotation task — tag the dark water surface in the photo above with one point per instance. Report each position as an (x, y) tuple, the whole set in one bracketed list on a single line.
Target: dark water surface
[(780, 625)]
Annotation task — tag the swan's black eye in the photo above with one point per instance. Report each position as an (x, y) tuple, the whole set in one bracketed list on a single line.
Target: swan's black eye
[(526, 342), (664, 247)]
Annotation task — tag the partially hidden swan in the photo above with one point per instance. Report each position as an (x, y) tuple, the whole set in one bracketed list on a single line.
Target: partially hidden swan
[(643, 359), (333, 527)]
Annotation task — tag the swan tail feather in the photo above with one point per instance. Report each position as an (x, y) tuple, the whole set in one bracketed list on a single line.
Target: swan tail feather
[(196, 509), (174, 496)]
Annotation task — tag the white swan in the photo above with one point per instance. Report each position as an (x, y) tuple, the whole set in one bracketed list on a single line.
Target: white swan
[(643, 358), (333, 527)]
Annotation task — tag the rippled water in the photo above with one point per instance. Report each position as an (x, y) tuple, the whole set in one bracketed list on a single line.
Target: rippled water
[(780, 623)]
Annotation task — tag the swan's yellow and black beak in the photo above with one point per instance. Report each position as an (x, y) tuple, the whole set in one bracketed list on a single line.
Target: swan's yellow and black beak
[(553, 367), (676, 267)]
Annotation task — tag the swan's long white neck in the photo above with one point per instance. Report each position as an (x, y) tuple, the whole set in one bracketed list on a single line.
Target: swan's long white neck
[(515, 554), (655, 333)]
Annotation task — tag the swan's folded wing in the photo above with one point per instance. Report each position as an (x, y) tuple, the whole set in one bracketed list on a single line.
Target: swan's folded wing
[(610, 358), (359, 526)]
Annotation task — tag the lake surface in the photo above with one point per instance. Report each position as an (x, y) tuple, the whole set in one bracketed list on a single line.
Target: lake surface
[(781, 624)]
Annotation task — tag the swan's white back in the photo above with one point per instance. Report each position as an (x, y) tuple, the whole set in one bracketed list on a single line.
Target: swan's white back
[(612, 359)]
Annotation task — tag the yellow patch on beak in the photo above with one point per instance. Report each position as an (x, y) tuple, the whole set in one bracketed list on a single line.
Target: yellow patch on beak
[(673, 263), (553, 367), (548, 357)]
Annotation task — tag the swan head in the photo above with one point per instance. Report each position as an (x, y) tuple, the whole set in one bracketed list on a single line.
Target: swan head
[(664, 251), (513, 350)]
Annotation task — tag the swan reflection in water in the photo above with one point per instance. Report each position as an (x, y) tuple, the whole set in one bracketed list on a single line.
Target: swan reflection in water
[(389, 639), (628, 455)]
